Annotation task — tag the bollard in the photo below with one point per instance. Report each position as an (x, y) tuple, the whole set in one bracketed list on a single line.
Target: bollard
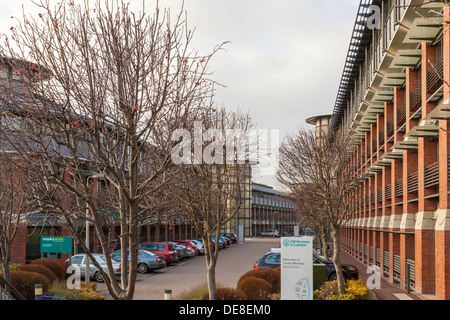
[(38, 291), (168, 294)]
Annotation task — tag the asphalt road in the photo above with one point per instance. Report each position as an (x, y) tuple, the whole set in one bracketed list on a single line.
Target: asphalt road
[(233, 262)]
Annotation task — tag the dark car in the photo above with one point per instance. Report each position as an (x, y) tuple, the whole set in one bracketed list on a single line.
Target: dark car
[(273, 260), (231, 236)]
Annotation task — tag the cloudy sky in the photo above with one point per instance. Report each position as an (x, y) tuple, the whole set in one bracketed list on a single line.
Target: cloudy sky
[(284, 60)]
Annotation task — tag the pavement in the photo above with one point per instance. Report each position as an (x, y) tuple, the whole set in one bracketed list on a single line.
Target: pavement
[(387, 290)]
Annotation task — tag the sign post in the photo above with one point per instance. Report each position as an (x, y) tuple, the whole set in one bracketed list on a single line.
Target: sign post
[(297, 268)]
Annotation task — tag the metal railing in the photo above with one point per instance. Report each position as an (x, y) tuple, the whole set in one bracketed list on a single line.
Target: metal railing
[(388, 192), (389, 128), (415, 97), (413, 182), (431, 175), (401, 113), (386, 262), (435, 76), (399, 188)]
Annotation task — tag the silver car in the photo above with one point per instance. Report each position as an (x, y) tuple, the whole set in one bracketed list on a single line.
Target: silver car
[(79, 260), (199, 246), (147, 260), (270, 233)]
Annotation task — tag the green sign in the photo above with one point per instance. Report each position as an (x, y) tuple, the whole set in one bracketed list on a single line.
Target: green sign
[(56, 244)]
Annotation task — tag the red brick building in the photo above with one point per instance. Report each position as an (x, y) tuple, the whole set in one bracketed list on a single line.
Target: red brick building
[(394, 97)]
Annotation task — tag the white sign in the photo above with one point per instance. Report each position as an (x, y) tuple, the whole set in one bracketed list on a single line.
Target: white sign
[(297, 268)]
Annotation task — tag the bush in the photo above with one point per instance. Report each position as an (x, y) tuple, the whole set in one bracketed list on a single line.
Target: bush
[(57, 266), (66, 265), (194, 293), (272, 276), (90, 295), (227, 294), (255, 288), (24, 282), (51, 276), (60, 290), (357, 289), (87, 292), (354, 290)]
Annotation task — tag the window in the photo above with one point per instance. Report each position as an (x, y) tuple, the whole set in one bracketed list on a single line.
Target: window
[(273, 258), (77, 259)]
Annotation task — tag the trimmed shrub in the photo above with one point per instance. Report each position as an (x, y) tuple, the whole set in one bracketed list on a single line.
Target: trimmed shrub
[(41, 270), (227, 294), (272, 276), (57, 266), (24, 282), (66, 265), (255, 288)]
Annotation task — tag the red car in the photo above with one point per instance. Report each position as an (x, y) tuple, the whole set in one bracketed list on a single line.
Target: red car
[(167, 250), (188, 244)]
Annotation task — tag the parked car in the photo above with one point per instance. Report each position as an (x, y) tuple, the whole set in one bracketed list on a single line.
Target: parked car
[(181, 250), (199, 245), (231, 236), (270, 233), (272, 259), (223, 243), (79, 260), (147, 260), (167, 250), (228, 240), (188, 244)]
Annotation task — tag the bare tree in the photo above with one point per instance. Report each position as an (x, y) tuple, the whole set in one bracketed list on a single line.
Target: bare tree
[(313, 214), (16, 202), (95, 92), (320, 166), (212, 181)]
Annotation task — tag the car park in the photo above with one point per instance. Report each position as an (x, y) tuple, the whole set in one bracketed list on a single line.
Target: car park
[(147, 260), (167, 250), (270, 233), (272, 259), (79, 260)]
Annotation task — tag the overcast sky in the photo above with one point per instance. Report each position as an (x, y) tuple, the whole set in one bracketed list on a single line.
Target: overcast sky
[(284, 60)]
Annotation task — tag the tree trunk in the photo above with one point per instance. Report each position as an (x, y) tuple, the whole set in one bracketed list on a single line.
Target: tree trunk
[(324, 244), (337, 261), (211, 279)]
